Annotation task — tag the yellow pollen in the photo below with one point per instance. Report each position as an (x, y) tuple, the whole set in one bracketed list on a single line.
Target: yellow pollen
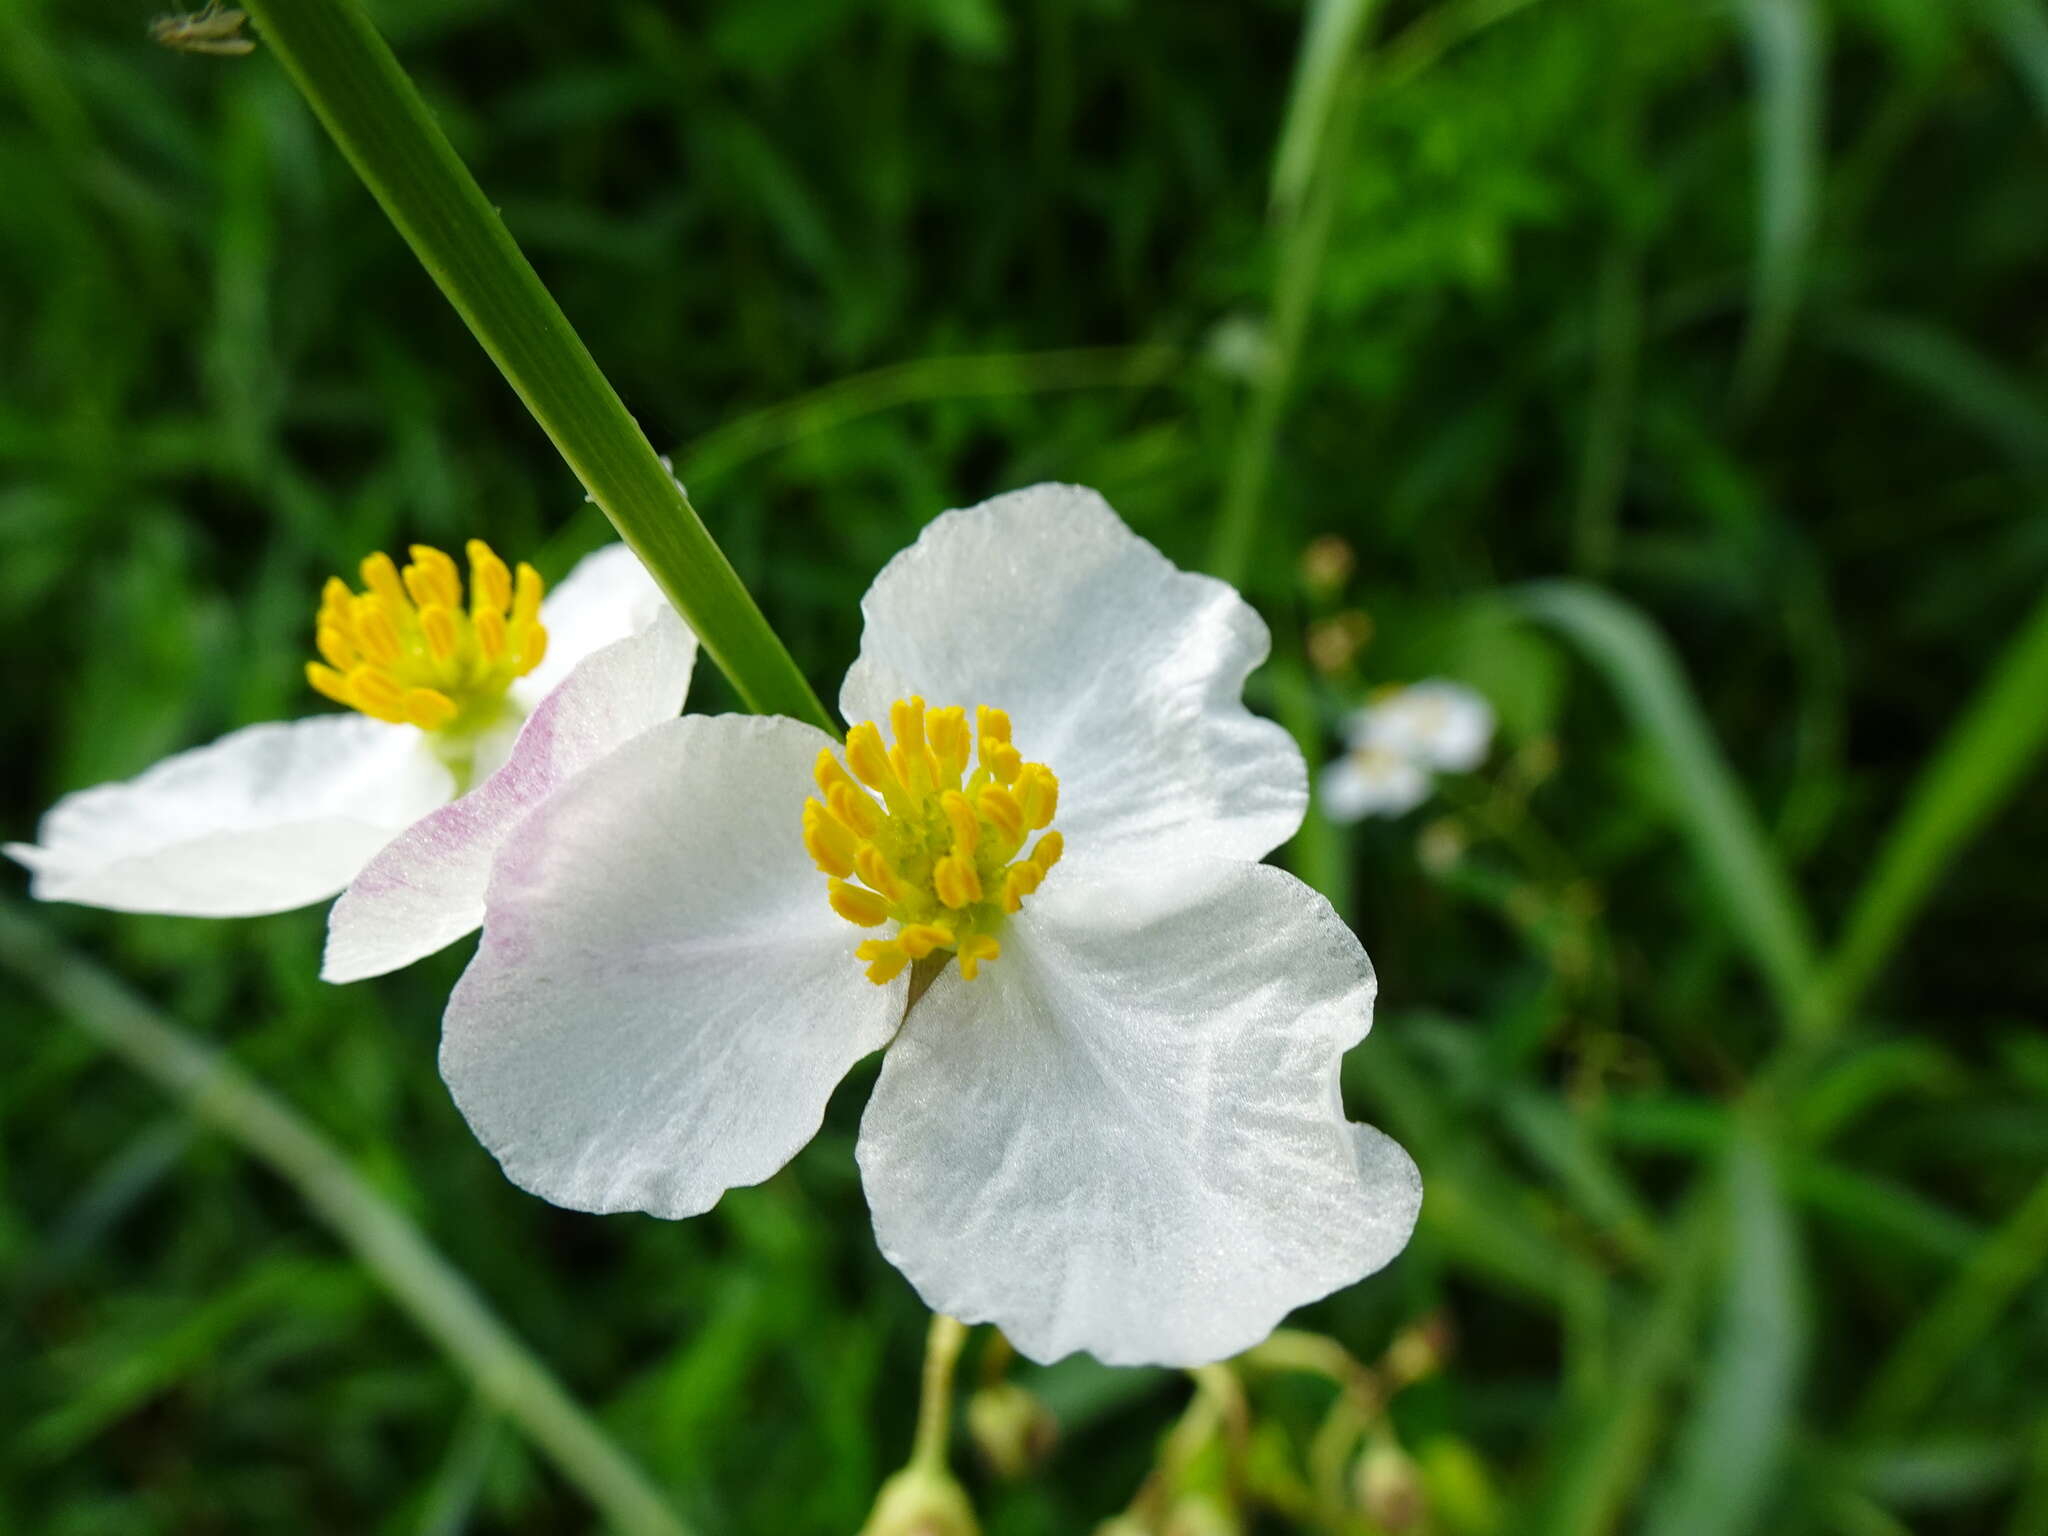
[(927, 831), (406, 649)]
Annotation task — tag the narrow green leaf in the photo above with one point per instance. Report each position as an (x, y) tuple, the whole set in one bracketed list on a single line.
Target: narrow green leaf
[(437, 1296), (1960, 378), (1604, 1451), (375, 115), (1960, 1317), (1331, 36), (1986, 756), (1785, 49), (1743, 1418), (2021, 27), (1727, 842)]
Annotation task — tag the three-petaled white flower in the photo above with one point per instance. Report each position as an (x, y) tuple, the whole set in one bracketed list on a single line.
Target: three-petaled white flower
[(1109, 1116), (510, 692), (1396, 742)]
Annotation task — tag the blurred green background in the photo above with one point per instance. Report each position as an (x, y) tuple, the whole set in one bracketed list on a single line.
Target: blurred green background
[(1712, 1007)]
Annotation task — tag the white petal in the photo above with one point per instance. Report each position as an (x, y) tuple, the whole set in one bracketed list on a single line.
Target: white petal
[(426, 888), (1371, 782), (1121, 673), (1442, 725), (662, 1001), (608, 596), (1125, 1136), (268, 818)]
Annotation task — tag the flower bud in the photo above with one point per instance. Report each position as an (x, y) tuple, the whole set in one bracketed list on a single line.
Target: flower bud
[(1012, 1429), (1418, 1351), (921, 1501), (1200, 1514), (1387, 1486), (1334, 643), (1327, 563)]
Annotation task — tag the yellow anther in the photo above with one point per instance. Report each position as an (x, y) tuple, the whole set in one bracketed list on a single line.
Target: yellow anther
[(439, 577), (920, 939), (375, 692), (940, 855), (1020, 882), (885, 960), (381, 577), (1038, 792), (490, 580), (980, 948), (869, 760), (327, 681), (375, 630), (906, 720), (525, 594), (956, 881), (1002, 760), (946, 732), (856, 905), (438, 625), (854, 809), (875, 869), (428, 708), (406, 650), (827, 771), (332, 642), (1000, 809), (491, 639), (1048, 850), (828, 841), (960, 816)]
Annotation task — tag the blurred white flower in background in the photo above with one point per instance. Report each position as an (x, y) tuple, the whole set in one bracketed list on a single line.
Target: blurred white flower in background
[(1398, 741), (1372, 781)]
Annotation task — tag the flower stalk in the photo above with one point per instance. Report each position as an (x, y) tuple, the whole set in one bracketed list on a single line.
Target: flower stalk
[(377, 118)]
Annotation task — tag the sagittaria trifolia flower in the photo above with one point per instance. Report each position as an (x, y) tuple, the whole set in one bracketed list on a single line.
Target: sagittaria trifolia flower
[(463, 711), (1108, 1117)]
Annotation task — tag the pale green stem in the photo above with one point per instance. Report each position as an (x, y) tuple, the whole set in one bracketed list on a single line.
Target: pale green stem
[(935, 1399), (376, 116), (438, 1298)]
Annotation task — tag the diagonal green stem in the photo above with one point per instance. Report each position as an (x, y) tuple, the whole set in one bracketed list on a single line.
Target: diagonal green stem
[(376, 116), (1983, 760), (438, 1298)]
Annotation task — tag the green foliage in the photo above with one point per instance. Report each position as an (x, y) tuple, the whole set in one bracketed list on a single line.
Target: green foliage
[(1672, 372)]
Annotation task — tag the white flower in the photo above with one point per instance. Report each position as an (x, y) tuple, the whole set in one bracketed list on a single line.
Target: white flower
[(1111, 1119), (1441, 725), (512, 691), (1372, 781), (1395, 744)]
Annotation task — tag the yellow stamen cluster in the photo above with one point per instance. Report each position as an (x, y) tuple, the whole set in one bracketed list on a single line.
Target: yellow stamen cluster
[(929, 833), (406, 649)]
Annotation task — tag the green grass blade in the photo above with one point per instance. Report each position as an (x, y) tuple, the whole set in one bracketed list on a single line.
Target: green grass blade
[(437, 1297), (1726, 839), (1743, 1418), (2004, 1263), (1983, 761), (1958, 376), (375, 115), (1606, 1449), (1331, 36), (2021, 27), (1786, 56)]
